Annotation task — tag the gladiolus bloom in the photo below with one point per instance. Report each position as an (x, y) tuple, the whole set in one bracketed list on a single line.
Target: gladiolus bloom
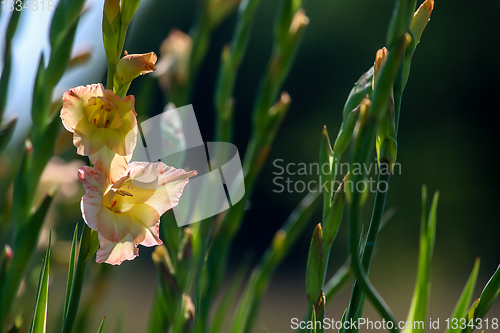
[(104, 127), (127, 213)]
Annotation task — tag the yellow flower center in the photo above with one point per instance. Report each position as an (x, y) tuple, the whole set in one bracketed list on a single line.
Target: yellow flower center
[(103, 113), (114, 201), (124, 194)]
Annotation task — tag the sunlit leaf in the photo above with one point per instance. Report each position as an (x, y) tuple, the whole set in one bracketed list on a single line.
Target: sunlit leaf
[(39, 322)]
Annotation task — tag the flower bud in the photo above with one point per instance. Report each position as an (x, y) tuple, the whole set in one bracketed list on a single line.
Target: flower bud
[(315, 271), (380, 59), (299, 22), (173, 66), (111, 9), (133, 65), (421, 18)]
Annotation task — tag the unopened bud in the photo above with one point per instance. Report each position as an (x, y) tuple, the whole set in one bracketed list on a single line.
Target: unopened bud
[(173, 66), (315, 266), (281, 105), (133, 65), (111, 9), (380, 59), (8, 253), (279, 242), (299, 21), (364, 110), (421, 18), (188, 306)]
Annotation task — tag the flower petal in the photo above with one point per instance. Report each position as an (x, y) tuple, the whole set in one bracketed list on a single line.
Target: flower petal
[(152, 236), (113, 226), (115, 253), (113, 165), (87, 138), (144, 214), (95, 183), (73, 101), (169, 183)]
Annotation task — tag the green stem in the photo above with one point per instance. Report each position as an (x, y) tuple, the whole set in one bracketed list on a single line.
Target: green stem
[(356, 304), (357, 300), (111, 74), (359, 271)]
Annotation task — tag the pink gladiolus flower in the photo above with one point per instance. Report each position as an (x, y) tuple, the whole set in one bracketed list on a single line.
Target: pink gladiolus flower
[(104, 127), (127, 212)]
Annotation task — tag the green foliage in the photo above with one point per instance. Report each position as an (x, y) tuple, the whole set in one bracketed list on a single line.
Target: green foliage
[(465, 299), (23, 247), (88, 246), (488, 295), (39, 322), (7, 62), (71, 272), (420, 300), (102, 325), (6, 131)]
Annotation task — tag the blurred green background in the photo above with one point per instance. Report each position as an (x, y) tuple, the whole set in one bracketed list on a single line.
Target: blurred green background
[(448, 139)]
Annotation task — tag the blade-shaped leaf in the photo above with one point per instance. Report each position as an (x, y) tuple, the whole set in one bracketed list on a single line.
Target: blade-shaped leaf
[(6, 131), (420, 301), (102, 325), (469, 316), (464, 301), (71, 271), (325, 177), (313, 320), (228, 300), (39, 322), (489, 295), (23, 247)]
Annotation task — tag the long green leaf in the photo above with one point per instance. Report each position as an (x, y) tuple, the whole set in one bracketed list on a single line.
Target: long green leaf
[(24, 245), (464, 301), (326, 176), (228, 300), (489, 295), (7, 59), (87, 249), (6, 131), (420, 301), (71, 271), (102, 325), (39, 322)]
